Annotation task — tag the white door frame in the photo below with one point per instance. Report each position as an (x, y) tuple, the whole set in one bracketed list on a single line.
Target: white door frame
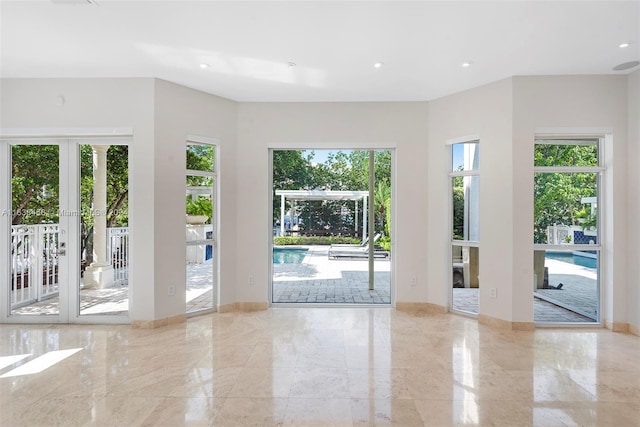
[(69, 141)]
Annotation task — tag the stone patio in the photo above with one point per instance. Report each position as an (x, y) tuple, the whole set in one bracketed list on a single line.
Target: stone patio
[(320, 280)]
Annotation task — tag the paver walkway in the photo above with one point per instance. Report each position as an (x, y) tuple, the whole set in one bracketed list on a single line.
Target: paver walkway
[(318, 279)]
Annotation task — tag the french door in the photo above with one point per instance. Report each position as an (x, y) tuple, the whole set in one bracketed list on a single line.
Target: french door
[(55, 250)]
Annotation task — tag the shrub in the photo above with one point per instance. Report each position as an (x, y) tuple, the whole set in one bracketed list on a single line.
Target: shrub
[(385, 242), (313, 240)]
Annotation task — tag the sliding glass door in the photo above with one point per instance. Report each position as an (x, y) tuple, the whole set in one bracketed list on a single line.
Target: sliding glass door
[(331, 222)]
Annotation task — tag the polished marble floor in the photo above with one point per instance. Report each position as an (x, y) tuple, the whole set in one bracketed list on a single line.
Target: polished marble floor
[(317, 367)]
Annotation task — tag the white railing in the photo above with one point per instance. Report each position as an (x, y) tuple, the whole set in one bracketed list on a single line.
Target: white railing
[(34, 263), (118, 252), (559, 235)]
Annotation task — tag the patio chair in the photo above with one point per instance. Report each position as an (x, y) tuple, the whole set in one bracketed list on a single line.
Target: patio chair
[(356, 252), (364, 243)]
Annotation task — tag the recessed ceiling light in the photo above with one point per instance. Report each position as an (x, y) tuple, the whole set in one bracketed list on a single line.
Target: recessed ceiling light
[(205, 66), (467, 64), (378, 64), (625, 44), (291, 64)]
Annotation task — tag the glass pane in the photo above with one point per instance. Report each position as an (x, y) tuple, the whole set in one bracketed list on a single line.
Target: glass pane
[(34, 230), (465, 156), (200, 157), (320, 252), (199, 200), (465, 278), (565, 286), (104, 229), (199, 292), (200, 248), (566, 152), (466, 205), (565, 208)]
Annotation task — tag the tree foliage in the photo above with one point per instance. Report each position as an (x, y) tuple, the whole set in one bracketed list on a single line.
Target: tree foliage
[(343, 170), (35, 186), (558, 195)]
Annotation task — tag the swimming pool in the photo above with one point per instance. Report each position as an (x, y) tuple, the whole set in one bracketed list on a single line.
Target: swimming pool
[(288, 255), (573, 258)]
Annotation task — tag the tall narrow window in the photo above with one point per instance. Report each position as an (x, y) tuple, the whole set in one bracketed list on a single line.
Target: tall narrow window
[(465, 221), (201, 238), (566, 230)]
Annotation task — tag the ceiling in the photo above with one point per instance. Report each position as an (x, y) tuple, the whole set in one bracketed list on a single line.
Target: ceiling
[(334, 44)]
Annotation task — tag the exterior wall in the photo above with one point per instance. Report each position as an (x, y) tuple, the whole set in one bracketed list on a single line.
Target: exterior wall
[(633, 226), (180, 111), (484, 112), (333, 125), (573, 102)]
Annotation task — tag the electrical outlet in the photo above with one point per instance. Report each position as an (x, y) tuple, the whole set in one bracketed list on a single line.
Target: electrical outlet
[(251, 280), (493, 293), (414, 280), (171, 290)]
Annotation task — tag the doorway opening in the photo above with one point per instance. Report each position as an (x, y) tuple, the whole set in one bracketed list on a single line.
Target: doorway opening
[(331, 221), (68, 230)]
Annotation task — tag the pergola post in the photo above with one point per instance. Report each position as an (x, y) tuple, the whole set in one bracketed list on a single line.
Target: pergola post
[(282, 214), (364, 218)]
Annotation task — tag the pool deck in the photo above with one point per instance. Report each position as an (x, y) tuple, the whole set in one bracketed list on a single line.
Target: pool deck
[(320, 280)]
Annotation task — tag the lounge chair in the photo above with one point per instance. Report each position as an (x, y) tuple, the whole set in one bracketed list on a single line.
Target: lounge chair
[(357, 251), (364, 243)]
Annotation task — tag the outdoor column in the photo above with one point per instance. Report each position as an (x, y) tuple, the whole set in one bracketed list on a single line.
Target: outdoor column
[(100, 273)]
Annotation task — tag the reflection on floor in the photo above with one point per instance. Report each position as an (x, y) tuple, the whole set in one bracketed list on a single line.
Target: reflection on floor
[(318, 367)]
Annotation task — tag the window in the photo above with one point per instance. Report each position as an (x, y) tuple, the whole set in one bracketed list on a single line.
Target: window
[(465, 222), (201, 230), (566, 229)]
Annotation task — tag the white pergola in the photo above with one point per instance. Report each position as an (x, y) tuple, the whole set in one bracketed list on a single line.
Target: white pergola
[(306, 195)]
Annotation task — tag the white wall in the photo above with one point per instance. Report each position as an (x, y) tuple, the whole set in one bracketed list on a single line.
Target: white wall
[(180, 111), (485, 112), (333, 125), (101, 103), (633, 225), (504, 115), (161, 115), (574, 102)]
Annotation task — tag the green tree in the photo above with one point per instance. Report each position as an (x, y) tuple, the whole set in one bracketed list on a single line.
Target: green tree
[(344, 170), (35, 183), (558, 195)]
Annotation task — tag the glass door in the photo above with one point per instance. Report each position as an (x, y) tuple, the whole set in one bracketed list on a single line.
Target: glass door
[(38, 262), (58, 221), (331, 222)]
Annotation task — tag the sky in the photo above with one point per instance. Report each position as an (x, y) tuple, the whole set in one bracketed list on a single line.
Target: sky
[(321, 155)]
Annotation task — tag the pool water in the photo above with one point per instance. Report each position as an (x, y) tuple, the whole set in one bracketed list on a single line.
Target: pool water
[(288, 255), (575, 259)]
